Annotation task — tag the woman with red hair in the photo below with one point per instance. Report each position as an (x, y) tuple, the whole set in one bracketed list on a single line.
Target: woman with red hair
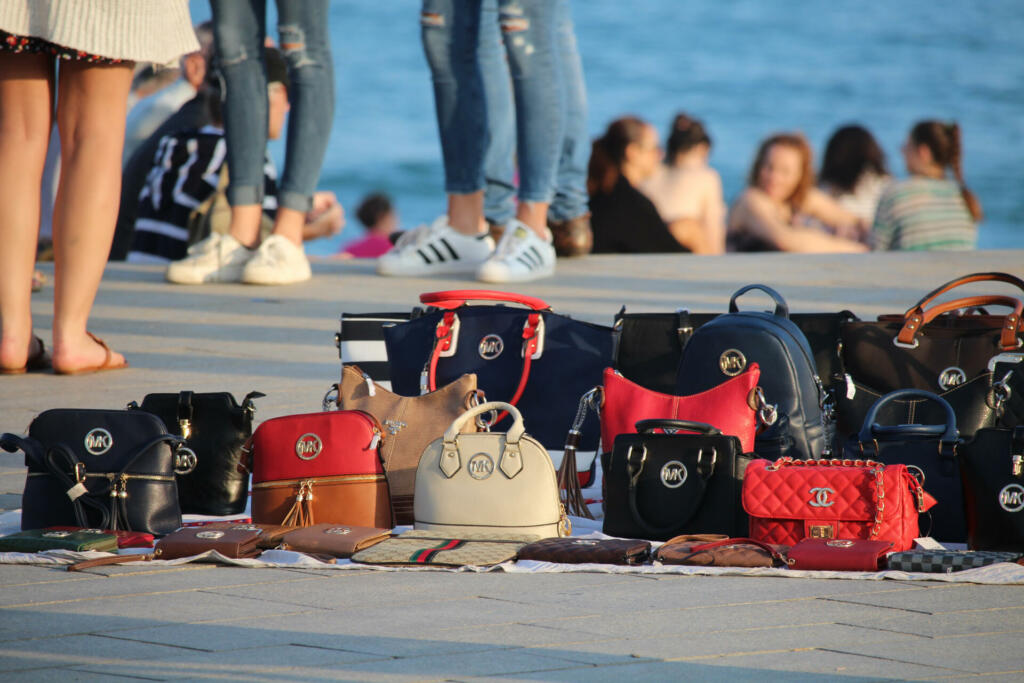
[(782, 210)]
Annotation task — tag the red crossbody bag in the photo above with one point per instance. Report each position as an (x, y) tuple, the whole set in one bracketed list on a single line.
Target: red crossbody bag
[(790, 500)]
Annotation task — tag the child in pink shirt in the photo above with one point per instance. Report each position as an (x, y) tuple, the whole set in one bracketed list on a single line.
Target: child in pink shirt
[(378, 215)]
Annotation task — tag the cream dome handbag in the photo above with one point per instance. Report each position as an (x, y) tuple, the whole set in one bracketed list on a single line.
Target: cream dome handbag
[(488, 482)]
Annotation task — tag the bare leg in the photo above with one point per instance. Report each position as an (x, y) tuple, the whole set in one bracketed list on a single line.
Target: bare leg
[(26, 96), (91, 104), (466, 213), (535, 215), (289, 223), (245, 224)]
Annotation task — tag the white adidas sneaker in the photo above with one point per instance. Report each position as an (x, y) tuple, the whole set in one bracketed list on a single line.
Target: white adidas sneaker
[(520, 256), (278, 261), (218, 258), (436, 248)]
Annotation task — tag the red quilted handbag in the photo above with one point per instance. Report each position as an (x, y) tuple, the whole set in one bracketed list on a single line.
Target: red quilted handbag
[(790, 500)]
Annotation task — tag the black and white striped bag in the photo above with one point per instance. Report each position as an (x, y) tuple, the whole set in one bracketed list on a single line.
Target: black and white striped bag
[(360, 341)]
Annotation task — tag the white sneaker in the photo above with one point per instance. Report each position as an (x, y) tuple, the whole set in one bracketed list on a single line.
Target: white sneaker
[(436, 248), (278, 261), (218, 258), (521, 256)]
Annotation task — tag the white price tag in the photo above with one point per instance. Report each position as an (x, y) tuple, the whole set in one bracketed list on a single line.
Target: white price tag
[(77, 491), (851, 389)]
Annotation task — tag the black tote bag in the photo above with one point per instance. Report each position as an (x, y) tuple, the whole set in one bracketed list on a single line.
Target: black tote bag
[(992, 467), (657, 486), (538, 360)]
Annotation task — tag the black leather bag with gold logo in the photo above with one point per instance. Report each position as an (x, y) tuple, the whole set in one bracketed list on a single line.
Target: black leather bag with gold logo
[(215, 427), (107, 469), (657, 486)]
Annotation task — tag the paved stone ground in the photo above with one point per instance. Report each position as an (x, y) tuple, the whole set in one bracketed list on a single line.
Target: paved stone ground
[(205, 621)]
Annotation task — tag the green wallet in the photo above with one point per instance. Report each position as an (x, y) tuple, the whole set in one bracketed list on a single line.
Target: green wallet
[(36, 540)]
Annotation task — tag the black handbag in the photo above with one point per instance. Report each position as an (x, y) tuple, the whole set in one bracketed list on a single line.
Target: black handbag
[(215, 427), (106, 469), (648, 346), (657, 486), (930, 448), (533, 358), (992, 467)]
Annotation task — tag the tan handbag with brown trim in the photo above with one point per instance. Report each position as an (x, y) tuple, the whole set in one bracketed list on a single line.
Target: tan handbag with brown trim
[(410, 424)]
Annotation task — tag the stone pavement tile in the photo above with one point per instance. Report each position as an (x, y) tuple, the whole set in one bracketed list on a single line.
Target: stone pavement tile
[(252, 662), (971, 622), (646, 670), (467, 664), (988, 652), (937, 599), (63, 675), (41, 653)]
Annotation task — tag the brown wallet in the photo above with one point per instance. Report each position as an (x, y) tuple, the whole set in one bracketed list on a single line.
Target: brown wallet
[(337, 540), (231, 543), (585, 550), (270, 534)]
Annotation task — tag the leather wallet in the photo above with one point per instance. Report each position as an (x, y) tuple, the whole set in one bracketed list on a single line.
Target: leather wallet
[(587, 550), (125, 538), (232, 543), (77, 539), (720, 552), (947, 561), (270, 534), (838, 554), (336, 540)]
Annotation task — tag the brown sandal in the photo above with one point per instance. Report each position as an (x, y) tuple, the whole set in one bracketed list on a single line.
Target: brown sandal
[(40, 360), (105, 365)]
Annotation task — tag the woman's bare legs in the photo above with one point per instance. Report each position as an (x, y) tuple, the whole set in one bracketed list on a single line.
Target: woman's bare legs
[(91, 109), (26, 96)]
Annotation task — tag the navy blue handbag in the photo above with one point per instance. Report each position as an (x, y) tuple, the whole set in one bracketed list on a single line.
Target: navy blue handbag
[(531, 357), (931, 448)]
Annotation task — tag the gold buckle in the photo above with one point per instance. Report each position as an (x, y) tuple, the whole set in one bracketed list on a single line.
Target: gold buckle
[(821, 531)]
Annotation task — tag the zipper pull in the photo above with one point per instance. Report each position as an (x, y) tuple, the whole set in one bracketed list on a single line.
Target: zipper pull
[(1017, 466), (375, 441), (123, 493)]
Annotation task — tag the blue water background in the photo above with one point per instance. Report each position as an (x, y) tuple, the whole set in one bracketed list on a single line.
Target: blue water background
[(746, 68)]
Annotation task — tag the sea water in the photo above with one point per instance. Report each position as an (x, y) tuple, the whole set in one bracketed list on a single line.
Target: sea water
[(746, 68)]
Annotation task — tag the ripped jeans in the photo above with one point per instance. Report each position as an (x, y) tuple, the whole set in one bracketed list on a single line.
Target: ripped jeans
[(452, 32), (240, 28)]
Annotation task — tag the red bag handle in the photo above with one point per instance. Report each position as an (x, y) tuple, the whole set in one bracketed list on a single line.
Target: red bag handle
[(916, 317), (458, 297)]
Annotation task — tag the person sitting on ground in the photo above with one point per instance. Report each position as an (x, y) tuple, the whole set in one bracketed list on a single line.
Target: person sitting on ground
[(928, 210), (854, 172), (378, 215), (686, 188), (623, 219), (775, 211), (183, 199)]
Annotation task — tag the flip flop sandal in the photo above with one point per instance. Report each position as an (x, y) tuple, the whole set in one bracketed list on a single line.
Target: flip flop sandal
[(107, 363)]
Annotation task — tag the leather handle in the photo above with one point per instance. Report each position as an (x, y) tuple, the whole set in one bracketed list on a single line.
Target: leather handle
[(870, 431), (458, 297), (781, 308), (739, 541), (512, 436), (916, 318), (650, 529), (684, 425), (966, 279)]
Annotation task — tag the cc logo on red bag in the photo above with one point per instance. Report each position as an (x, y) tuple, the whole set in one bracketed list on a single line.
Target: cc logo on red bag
[(1011, 498), (820, 496), (308, 446)]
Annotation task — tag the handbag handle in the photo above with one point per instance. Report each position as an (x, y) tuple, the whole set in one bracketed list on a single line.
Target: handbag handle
[(776, 555), (915, 319), (458, 297), (511, 460), (781, 309), (512, 436), (682, 425), (1008, 337), (694, 501), (947, 433)]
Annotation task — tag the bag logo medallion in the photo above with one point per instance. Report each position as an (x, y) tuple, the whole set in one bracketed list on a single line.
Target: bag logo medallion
[(338, 530), (840, 543), (491, 347), (308, 446), (56, 534), (1011, 498), (210, 535), (584, 542), (820, 497), (247, 527), (732, 362), (951, 377), (480, 466), (394, 426), (98, 441), (673, 474)]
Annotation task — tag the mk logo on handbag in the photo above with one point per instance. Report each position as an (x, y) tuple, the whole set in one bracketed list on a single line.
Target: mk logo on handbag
[(308, 446), (491, 347), (732, 362), (480, 466), (98, 441), (1011, 498), (394, 426), (951, 377), (820, 497), (673, 474)]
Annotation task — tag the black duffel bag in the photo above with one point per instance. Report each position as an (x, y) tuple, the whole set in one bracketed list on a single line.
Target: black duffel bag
[(657, 486), (103, 469)]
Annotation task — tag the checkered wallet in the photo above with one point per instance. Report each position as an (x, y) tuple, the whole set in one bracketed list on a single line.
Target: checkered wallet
[(947, 561)]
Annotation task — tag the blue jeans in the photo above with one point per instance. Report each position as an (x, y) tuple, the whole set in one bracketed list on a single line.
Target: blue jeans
[(240, 28), (452, 34)]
